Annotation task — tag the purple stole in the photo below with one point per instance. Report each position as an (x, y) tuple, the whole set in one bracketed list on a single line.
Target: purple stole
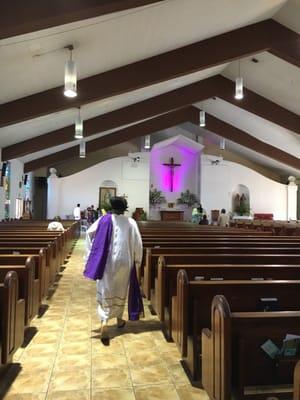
[(96, 264)]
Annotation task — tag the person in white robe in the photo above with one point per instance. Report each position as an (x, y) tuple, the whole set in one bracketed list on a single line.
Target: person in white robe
[(125, 250)]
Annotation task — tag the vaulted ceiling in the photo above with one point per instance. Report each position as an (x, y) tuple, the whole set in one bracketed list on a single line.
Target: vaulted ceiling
[(146, 67)]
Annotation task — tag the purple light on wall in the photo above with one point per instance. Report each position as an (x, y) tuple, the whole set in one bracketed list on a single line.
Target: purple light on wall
[(162, 174)]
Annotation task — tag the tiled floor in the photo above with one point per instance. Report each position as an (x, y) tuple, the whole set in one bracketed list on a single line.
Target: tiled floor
[(66, 360)]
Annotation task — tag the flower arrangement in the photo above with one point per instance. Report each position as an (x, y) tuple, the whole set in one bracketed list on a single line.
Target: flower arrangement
[(187, 198), (156, 196)]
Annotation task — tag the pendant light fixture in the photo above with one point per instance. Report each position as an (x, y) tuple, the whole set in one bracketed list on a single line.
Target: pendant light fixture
[(82, 150), (202, 118), (147, 144), (78, 126), (239, 91), (70, 75), (222, 144)]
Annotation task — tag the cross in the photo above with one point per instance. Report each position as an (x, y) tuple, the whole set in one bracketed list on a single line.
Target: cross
[(172, 166)]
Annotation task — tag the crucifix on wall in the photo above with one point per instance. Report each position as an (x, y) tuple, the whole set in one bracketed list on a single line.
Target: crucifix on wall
[(172, 166)]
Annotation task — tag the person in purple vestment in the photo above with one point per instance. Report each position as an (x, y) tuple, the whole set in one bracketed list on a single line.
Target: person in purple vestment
[(114, 248)]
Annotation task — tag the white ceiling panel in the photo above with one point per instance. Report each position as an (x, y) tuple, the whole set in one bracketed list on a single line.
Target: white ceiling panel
[(118, 39)]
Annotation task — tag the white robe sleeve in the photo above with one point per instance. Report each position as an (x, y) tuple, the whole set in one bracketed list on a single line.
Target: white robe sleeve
[(138, 244), (90, 234)]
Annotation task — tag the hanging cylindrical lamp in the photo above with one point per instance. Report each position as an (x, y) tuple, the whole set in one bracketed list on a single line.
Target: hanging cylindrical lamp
[(239, 89), (202, 118), (147, 144), (222, 144), (70, 76), (78, 126), (82, 150)]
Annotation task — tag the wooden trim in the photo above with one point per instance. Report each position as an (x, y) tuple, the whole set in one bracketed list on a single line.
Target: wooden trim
[(19, 20)]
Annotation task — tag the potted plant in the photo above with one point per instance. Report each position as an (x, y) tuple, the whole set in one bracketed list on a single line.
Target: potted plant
[(187, 198), (156, 197)]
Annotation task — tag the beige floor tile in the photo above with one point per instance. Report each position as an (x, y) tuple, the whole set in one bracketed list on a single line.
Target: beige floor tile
[(113, 394), (115, 346), (69, 395), (171, 357), (111, 378), (30, 383), (149, 375), (162, 392), (140, 345), (76, 336), (70, 379), (46, 337), (25, 396), (64, 361), (188, 392), (81, 347), (178, 374), (100, 361), (144, 357), (40, 350)]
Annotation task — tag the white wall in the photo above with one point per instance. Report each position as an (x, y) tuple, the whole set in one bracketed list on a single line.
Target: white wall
[(218, 182), (132, 179), (16, 185)]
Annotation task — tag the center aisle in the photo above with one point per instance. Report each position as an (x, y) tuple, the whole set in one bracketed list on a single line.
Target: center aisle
[(66, 360)]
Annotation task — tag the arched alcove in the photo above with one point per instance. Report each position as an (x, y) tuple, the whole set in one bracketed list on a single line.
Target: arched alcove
[(241, 200)]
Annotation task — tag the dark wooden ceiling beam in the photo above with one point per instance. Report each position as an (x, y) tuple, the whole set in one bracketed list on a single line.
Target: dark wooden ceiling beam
[(18, 18), (144, 128), (149, 108), (165, 121), (288, 51), (179, 98), (259, 105), (242, 138), (186, 60)]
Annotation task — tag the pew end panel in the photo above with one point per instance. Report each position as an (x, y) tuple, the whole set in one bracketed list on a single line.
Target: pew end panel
[(297, 382), (180, 309), (240, 368), (12, 317)]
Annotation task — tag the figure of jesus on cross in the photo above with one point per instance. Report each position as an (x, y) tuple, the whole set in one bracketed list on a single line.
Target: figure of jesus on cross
[(172, 166)]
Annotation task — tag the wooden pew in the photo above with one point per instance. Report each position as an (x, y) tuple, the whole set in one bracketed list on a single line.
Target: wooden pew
[(51, 260), (192, 303), (46, 273), (40, 266), (233, 361), (28, 237), (197, 257), (297, 382), (28, 286), (12, 315), (166, 280)]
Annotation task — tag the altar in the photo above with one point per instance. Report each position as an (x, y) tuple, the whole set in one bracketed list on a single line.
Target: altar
[(171, 215)]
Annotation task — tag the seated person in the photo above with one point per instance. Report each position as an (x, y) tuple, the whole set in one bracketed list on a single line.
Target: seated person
[(55, 225), (204, 220), (223, 219)]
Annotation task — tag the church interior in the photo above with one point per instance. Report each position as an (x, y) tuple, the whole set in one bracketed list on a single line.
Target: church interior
[(190, 111)]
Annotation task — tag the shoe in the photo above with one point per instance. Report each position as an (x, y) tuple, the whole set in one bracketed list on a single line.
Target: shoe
[(121, 323)]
